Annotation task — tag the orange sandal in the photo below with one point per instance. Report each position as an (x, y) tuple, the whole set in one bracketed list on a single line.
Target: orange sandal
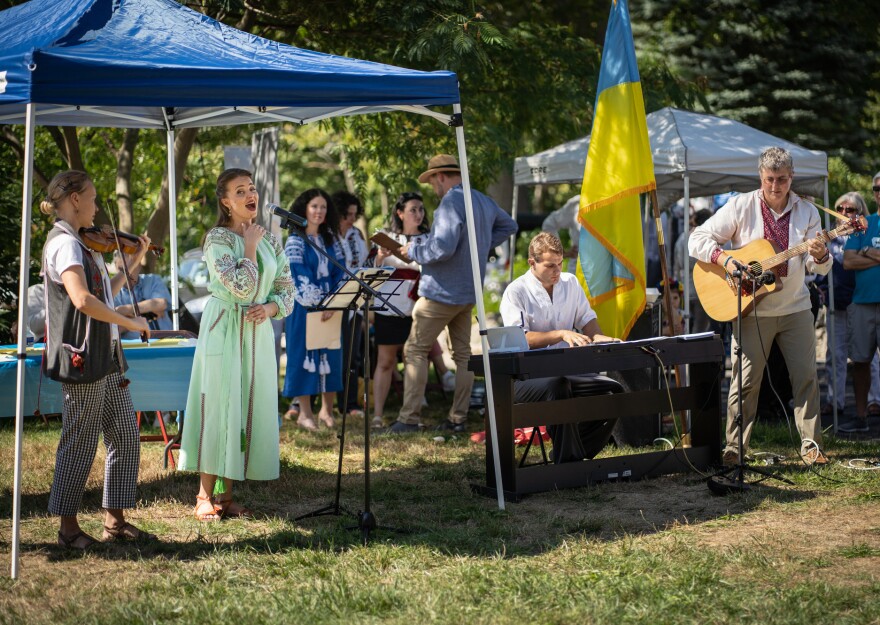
[(206, 510), (233, 510)]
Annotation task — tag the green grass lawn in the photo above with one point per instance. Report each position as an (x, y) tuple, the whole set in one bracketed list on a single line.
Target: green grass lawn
[(655, 551)]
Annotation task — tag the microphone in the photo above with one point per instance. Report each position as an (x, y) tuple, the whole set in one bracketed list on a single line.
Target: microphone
[(768, 277), (286, 216)]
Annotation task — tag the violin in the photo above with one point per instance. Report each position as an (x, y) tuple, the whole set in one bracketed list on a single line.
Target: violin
[(106, 240)]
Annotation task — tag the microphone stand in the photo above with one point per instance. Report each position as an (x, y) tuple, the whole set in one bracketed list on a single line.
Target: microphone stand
[(365, 518), (732, 479)]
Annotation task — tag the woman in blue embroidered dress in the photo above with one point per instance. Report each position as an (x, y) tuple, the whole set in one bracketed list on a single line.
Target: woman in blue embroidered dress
[(231, 426), (317, 371)]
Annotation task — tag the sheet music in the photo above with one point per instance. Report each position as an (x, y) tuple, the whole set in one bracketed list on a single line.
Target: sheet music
[(347, 290)]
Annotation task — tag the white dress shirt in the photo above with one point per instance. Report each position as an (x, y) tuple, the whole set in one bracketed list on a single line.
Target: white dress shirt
[(526, 303)]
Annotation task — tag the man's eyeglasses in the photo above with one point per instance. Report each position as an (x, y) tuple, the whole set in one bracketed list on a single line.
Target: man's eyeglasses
[(849, 209), (876, 188)]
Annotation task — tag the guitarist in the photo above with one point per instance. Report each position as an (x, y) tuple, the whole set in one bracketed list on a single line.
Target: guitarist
[(774, 213)]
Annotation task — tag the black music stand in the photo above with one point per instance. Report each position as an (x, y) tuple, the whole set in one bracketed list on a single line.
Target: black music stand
[(733, 479), (349, 295)]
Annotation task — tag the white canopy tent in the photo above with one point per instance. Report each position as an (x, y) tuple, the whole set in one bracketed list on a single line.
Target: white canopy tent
[(702, 153), (157, 64)]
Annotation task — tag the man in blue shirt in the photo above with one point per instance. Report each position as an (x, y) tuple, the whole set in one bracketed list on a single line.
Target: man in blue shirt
[(446, 289), (151, 294), (862, 255)]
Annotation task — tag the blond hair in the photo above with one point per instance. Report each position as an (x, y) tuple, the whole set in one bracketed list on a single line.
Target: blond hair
[(61, 187), (542, 243)]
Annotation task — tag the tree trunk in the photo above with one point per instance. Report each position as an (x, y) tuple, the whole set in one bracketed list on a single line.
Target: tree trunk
[(157, 227), (124, 158), (71, 146)]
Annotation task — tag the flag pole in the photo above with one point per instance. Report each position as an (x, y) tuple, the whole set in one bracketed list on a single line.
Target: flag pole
[(667, 303)]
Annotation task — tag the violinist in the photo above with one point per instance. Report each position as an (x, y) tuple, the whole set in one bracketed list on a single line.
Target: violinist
[(83, 352), (152, 296)]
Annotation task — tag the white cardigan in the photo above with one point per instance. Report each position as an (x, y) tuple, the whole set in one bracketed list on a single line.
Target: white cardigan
[(740, 222)]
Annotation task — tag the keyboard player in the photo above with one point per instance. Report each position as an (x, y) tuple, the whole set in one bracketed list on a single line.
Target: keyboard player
[(553, 310)]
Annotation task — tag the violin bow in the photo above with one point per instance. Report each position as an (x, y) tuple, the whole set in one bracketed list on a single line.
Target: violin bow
[(134, 303)]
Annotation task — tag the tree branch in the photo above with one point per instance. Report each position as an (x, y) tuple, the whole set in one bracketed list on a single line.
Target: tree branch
[(11, 139)]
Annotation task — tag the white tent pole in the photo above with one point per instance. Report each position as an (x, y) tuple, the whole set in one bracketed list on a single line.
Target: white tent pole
[(172, 220), (686, 265), (829, 326), (686, 261), (478, 292), (25, 257), (513, 211)]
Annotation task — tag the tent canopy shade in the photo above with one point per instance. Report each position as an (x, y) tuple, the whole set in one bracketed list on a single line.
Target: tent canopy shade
[(127, 64), (716, 154)]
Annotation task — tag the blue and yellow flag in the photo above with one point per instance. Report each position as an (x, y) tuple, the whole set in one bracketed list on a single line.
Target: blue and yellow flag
[(619, 167)]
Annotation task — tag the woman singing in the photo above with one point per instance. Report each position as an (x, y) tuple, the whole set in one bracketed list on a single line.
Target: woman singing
[(84, 354), (231, 425)]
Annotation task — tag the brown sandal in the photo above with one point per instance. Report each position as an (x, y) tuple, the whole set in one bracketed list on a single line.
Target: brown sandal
[(232, 510), (70, 542), (206, 516), (126, 531)]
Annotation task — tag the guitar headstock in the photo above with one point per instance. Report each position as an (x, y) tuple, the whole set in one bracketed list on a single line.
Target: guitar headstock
[(857, 223)]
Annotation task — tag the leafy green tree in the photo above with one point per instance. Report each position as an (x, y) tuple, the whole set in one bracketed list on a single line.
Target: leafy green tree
[(793, 68)]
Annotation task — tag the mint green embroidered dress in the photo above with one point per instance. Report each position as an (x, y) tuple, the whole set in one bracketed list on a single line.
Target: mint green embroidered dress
[(230, 427)]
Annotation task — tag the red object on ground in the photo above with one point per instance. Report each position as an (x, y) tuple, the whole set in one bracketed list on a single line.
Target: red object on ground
[(521, 436)]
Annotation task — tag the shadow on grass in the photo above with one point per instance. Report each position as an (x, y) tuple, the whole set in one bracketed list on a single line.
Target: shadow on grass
[(418, 486)]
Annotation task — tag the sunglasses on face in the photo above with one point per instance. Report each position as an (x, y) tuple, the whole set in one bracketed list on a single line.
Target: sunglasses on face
[(876, 188), (847, 209)]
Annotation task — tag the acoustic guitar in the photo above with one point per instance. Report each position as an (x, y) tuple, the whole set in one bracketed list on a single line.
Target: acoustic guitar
[(716, 288)]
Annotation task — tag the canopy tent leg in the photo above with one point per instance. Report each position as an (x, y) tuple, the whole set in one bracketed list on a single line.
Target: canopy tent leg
[(481, 311), (686, 265), (25, 256), (172, 221), (829, 327), (513, 212)]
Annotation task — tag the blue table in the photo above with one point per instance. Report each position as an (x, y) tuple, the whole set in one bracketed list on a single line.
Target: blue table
[(159, 375)]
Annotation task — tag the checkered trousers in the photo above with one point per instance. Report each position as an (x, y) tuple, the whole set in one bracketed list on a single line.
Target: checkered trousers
[(100, 407)]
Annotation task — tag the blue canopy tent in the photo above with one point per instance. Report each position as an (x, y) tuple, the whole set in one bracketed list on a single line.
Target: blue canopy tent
[(157, 64)]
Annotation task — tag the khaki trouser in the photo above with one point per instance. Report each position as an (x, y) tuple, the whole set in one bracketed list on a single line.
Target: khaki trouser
[(429, 319), (796, 336)]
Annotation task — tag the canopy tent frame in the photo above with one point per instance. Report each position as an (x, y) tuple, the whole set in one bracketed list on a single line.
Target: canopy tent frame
[(29, 111)]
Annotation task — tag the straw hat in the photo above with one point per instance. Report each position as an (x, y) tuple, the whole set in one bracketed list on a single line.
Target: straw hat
[(440, 164)]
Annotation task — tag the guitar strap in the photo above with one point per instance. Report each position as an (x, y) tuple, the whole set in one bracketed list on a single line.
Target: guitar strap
[(831, 212)]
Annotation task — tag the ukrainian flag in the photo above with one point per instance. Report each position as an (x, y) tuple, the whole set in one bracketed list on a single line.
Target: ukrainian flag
[(619, 167)]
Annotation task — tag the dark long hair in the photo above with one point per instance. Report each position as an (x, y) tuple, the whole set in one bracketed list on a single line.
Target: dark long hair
[(328, 230), (343, 199), (397, 222), (223, 217)]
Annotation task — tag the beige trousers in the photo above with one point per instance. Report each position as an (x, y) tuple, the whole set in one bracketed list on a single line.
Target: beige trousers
[(429, 319), (796, 336)]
